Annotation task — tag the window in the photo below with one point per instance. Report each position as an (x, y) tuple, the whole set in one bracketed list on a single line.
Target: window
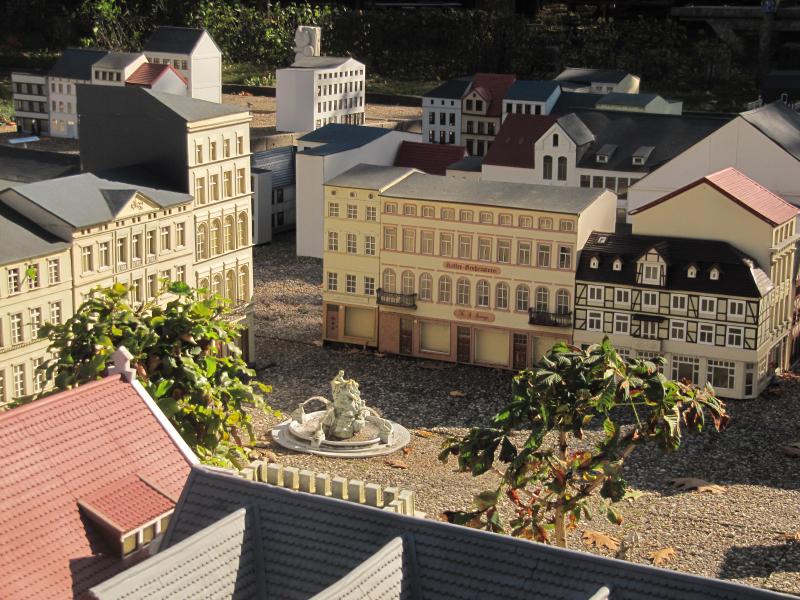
[(448, 214), (501, 296), (735, 309), (352, 243), (390, 208), (465, 216), (542, 299), (425, 287), (426, 242), (721, 374), (735, 337), (677, 330), (649, 330), (465, 246), (166, 235), (53, 271), (369, 245), (524, 253), (198, 154), (482, 294), (226, 148), (713, 274), (504, 219), (333, 241), (651, 274), (622, 296), (390, 238), (389, 280), (650, 300), (432, 117), (617, 265), (152, 286), (686, 368), (486, 218), (504, 251), (202, 248), (594, 321), (691, 272), (369, 286), (333, 281), (446, 244), (409, 210), (566, 225), (409, 240), (597, 182), (239, 144), (227, 184), (543, 258), (180, 274), (87, 260), (241, 183), (594, 263), (212, 151), (705, 334), (371, 214), (585, 181), (445, 289), (547, 167), (526, 222), (678, 302), (545, 223), (562, 302), (522, 297), (180, 235), (562, 168), (350, 284), (19, 380), (55, 313), (150, 239), (564, 257), (595, 293), (17, 334), (200, 190), (708, 306), (213, 187), (352, 211), (333, 209), (462, 292), (622, 323)]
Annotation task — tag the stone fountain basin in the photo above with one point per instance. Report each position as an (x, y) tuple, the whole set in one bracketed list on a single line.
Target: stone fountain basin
[(368, 436)]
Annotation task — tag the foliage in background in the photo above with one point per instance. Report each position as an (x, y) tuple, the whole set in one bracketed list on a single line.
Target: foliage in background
[(184, 353), (550, 484)]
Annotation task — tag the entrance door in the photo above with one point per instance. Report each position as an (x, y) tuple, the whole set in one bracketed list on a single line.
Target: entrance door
[(332, 322), (463, 350), (520, 351), (406, 336)]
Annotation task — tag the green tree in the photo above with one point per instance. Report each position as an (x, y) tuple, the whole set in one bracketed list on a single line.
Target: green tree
[(549, 479), (185, 354)]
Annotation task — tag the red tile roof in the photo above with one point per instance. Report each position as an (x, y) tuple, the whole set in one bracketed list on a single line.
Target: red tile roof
[(68, 446), (492, 87), (746, 192), (430, 158), (148, 73), (513, 145), (128, 503)]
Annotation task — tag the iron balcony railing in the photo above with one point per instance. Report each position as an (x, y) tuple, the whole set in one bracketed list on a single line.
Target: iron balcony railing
[(550, 319), (397, 299)]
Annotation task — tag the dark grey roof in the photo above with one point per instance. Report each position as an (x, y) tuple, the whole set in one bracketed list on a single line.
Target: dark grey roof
[(25, 166), (76, 63), (23, 239), (587, 76), (371, 177), (740, 275), (453, 89), (779, 123), (191, 109), (571, 100), (338, 137), (174, 40), (576, 129), (310, 542), (620, 99), (320, 62), (532, 91), (117, 60), (280, 161), (202, 566), (468, 163), (546, 198), (88, 199)]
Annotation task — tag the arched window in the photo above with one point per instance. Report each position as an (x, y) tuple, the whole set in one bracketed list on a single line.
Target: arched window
[(230, 285), (228, 233), (202, 241), (244, 229), (542, 299), (482, 293), (462, 292), (562, 168), (445, 289), (244, 284), (562, 302), (594, 262), (216, 238), (547, 167), (555, 140), (501, 296), (617, 264), (425, 287), (714, 273), (389, 280), (407, 282), (523, 297), (216, 285), (203, 284), (691, 272)]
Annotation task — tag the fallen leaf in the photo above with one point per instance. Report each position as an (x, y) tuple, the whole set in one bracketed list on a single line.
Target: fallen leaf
[(663, 556), (631, 495), (457, 394), (407, 450), (395, 464), (317, 343), (700, 485), (791, 537), (423, 433), (599, 539)]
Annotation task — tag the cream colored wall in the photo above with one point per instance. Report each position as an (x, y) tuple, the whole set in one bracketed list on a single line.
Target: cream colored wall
[(599, 216)]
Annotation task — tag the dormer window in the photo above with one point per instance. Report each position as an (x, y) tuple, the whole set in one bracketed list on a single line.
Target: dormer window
[(691, 272), (617, 264), (641, 155), (594, 263), (638, 161), (605, 153), (713, 275), (602, 158)]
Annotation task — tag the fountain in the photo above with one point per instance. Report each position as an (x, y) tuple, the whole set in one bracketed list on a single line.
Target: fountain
[(344, 427)]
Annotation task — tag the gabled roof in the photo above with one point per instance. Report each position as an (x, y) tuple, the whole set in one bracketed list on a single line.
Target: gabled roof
[(76, 63), (428, 158), (576, 129), (370, 177), (531, 91), (148, 73), (492, 87), (69, 446), (741, 275), (338, 137), (779, 123), (174, 40), (745, 192), (587, 76), (320, 62), (514, 144), (453, 89), (117, 60), (191, 109), (23, 239), (312, 543)]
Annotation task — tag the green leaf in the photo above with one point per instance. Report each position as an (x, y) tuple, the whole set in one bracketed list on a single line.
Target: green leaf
[(610, 428), (486, 499)]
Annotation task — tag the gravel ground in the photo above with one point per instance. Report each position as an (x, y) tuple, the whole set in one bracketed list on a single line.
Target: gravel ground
[(739, 534)]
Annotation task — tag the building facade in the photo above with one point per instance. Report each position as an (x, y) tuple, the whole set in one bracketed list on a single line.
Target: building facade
[(481, 111), (441, 112), (30, 102), (274, 192)]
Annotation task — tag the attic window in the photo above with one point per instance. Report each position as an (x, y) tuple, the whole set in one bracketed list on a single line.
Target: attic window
[(605, 153), (641, 155), (602, 158), (617, 265), (714, 274), (691, 272), (594, 263), (602, 239)]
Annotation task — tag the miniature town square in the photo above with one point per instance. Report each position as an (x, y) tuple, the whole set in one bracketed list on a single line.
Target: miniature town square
[(399, 300)]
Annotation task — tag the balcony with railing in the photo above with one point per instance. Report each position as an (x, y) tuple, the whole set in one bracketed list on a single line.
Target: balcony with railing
[(397, 299), (549, 319)]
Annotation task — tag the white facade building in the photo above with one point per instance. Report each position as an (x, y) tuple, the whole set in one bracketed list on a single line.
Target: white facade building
[(441, 112)]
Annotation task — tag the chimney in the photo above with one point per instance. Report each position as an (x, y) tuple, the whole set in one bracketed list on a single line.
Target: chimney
[(122, 365)]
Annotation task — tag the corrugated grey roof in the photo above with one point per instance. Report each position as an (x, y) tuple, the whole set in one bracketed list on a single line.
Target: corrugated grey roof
[(779, 123), (310, 542), (452, 89), (371, 177), (221, 561), (23, 239), (533, 91), (580, 75), (620, 99), (319, 62), (76, 63), (174, 40), (117, 60), (280, 161), (495, 193), (191, 109), (338, 137), (89, 199)]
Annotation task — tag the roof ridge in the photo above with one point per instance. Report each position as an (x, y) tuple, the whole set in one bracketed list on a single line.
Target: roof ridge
[(56, 396)]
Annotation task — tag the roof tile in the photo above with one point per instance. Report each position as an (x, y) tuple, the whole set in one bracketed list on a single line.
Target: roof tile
[(148, 73), (513, 146)]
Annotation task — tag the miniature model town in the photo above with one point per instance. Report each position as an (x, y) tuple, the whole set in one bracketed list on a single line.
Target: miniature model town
[(292, 337)]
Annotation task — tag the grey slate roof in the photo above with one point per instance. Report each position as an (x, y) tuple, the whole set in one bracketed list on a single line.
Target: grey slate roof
[(740, 275), (779, 123), (546, 198), (576, 129), (532, 91), (76, 63), (468, 163), (587, 76), (571, 100), (280, 161), (117, 60), (88, 199), (24, 166), (310, 542), (191, 109), (319, 62), (338, 137), (620, 99), (174, 40), (23, 239), (371, 177), (453, 89)]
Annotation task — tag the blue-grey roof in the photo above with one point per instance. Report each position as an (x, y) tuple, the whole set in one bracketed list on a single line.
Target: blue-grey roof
[(453, 89), (191, 109), (570, 100), (621, 99), (117, 60), (76, 63), (532, 91), (174, 40), (338, 137), (89, 199), (468, 163), (779, 123), (280, 161), (310, 542), (23, 239)]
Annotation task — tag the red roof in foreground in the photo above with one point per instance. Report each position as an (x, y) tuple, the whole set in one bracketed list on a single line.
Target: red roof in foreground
[(128, 503), (148, 73), (430, 158), (65, 447), (492, 87), (746, 192), (513, 145)]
